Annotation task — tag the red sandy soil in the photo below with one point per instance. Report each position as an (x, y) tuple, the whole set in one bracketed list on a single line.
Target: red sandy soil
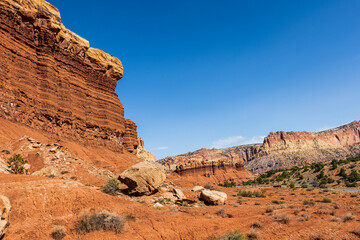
[(41, 203)]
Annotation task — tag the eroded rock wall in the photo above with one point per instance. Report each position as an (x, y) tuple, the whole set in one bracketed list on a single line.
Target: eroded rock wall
[(50, 79), (279, 150)]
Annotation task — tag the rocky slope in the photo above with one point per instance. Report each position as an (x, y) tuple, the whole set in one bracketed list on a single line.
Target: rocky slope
[(52, 80), (279, 150)]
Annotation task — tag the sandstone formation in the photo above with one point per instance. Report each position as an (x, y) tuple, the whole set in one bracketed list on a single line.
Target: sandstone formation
[(5, 208), (52, 80), (213, 197), (142, 153), (279, 150), (143, 178)]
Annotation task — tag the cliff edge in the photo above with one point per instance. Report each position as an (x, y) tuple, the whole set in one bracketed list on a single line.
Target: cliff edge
[(52, 80)]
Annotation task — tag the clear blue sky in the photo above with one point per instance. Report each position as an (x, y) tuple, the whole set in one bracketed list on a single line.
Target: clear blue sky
[(221, 73)]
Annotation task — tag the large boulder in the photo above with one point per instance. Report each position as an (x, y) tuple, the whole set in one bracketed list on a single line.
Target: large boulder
[(143, 178), (213, 197), (5, 208)]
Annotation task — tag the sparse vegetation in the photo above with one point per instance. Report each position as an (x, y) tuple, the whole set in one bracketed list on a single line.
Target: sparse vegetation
[(257, 224), (348, 217), (304, 176), (228, 184), (283, 218), (251, 194), (254, 234), (309, 202), (17, 164), (90, 222), (326, 200), (278, 202), (235, 235), (111, 187), (58, 232)]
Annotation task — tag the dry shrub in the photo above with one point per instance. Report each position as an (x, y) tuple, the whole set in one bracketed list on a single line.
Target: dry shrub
[(283, 218), (90, 222), (58, 232), (348, 217), (270, 209), (111, 187), (306, 216), (257, 224), (254, 234), (335, 219), (236, 235)]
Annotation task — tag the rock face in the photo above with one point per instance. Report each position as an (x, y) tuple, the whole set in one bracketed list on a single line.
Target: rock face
[(279, 150), (52, 80), (5, 208), (142, 153), (213, 197), (143, 178)]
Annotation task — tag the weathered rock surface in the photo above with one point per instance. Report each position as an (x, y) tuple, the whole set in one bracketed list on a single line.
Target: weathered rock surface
[(143, 178), (5, 208), (52, 80), (213, 197), (179, 194), (142, 153), (197, 188), (279, 150)]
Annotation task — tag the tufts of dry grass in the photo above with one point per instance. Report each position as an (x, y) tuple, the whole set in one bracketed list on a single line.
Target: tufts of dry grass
[(90, 222), (58, 232), (348, 217), (282, 218), (257, 224)]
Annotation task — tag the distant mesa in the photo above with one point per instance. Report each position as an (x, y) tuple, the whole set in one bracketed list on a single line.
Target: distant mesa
[(279, 150)]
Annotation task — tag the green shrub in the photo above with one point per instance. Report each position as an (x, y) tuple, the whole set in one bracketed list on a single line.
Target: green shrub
[(90, 222), (354, 176), (292, 185), (111, 187), (278, 202), (310, 202), (317, 166), (17, 164), (228, 184), (348, 184), (235, 235), (326, 200), (343, 173), (251, 194)]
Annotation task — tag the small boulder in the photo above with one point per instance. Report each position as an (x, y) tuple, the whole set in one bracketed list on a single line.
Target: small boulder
[(158, 205), (5, 208), (179, 194), (213, 197), (197, 188), (169, 197), (143, 178)]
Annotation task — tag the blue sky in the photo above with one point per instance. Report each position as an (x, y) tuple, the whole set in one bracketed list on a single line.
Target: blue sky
[(224, 73)]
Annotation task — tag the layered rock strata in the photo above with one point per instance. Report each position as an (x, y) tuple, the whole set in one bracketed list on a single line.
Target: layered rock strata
[(279, 150), (52, 80)]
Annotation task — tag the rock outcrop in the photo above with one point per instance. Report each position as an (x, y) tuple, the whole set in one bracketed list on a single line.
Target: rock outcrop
[(142, 153), (5, 208), (52, 80), (279, 150), (213, 197), (143, 178)]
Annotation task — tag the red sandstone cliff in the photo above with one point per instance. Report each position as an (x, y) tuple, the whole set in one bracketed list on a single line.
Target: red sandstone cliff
[(279, 150), (50, 79)]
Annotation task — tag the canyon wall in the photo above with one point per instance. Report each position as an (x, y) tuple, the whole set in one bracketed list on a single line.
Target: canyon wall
[(52, 80), (279, 150)]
